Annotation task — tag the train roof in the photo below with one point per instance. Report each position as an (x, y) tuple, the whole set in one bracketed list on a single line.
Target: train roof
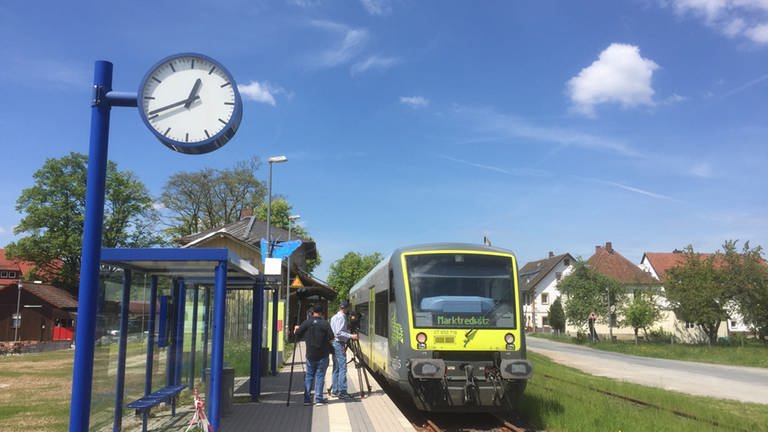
[(450, 246)]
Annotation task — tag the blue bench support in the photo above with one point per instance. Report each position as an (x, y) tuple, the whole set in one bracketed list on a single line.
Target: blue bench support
[(164, 395), (193, 341)]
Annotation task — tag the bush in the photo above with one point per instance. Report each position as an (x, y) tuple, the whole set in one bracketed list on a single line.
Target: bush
[(659, 335)]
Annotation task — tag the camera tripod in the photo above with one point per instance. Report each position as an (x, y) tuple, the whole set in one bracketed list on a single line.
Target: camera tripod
[(357, 360)]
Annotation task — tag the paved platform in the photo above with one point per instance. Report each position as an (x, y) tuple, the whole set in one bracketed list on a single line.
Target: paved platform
[(374, 412)]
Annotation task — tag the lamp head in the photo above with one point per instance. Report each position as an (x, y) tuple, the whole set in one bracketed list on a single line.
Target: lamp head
[(277, 159)]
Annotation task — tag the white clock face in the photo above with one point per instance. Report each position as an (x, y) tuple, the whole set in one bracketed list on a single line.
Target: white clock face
[(189, 99)]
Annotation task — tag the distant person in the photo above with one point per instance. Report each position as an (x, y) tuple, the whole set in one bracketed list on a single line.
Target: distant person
[(341, 337), (592, 332), (318, 342)]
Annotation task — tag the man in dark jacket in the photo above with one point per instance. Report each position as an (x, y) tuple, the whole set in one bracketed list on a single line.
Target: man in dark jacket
[(318, 342)]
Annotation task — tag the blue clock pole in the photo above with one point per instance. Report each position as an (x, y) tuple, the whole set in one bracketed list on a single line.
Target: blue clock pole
[(82, 378)]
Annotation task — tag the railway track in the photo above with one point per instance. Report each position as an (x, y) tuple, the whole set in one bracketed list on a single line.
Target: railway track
[(464, 423)]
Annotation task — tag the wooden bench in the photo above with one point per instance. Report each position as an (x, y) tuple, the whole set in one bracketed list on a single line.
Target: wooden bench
[(146, 403)]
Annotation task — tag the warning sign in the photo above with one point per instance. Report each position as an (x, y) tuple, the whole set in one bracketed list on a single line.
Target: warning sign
[(296, 283)]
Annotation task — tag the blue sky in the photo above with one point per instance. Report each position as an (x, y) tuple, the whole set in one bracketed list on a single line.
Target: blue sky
[(546, 126)]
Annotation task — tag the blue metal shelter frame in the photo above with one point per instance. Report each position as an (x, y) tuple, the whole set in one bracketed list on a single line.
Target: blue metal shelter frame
[(218, 267)]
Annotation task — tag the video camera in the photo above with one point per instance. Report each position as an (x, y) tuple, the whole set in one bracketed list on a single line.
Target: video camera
[(355, 319)]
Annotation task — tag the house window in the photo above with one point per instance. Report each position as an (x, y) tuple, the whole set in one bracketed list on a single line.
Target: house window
[(12, 275), (689, 325), (545, 321), (559, 275), (545, 298), (567, 261), (4, 275), (733, 323), (527, 298)]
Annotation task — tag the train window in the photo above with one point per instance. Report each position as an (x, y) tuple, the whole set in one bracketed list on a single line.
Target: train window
[(381, 324), (474, 291), (362, 309)]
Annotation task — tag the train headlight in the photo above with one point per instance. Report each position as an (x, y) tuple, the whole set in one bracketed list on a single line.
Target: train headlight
[(509, 338), (427, 368), (421, 339)]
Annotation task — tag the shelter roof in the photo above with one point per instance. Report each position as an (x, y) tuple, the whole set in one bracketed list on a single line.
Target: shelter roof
[(608, 262), (193, 264)]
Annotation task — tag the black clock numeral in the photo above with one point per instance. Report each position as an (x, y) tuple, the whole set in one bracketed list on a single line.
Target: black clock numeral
[(222, 121), (225, 84), (212, 69), (193, 64), (152, 117), (166, 131), (207, 135), (186, 138), (156, 79), (229, 103), (172, 68), (149, 97)]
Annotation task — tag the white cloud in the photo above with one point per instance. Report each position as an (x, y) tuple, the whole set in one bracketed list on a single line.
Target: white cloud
[(414, 101), (3, 230), (733, 18), (619, 75), (377, 7), (702, 169), (373, 62), (351, 44), (260, 92)]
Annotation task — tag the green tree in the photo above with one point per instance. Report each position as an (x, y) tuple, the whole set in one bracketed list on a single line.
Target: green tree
[(747, 272), (587, 291), (557, 316), (211, 198), (348, 270), (54, 210), (699, 292), (642, 313)]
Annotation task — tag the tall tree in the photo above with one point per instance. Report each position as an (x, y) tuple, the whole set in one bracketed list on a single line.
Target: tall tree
[(348, 270), (211, 198), (587, 291), (699, 292), (748, 273), (54, 211)]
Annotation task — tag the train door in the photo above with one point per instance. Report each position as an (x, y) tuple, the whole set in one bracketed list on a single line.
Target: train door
[(371, 321)]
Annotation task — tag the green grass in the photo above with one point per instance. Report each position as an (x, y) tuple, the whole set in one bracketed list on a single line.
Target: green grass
[(559, 398), (753, 353)]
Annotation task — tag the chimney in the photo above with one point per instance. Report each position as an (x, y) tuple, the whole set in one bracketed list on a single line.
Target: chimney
[(551, 254), (609, 247), (597, 248), (246, 213)]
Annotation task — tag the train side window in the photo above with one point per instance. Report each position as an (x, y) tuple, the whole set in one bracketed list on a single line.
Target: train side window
[(381, 325), (363, 310), (391, 286)]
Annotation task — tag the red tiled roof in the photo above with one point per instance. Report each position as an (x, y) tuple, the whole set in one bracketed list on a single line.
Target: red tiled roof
[(663, 261), (49, 293), (608, 262), (24, 267)]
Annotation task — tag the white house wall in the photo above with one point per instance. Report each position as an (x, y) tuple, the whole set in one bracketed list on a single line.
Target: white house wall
[(538, 311)]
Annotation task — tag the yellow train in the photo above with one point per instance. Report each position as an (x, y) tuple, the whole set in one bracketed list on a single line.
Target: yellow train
[(442, 322)]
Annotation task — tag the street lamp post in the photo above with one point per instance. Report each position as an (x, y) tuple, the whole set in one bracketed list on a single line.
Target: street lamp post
[(273, 362), (18, 317), (287, 320)]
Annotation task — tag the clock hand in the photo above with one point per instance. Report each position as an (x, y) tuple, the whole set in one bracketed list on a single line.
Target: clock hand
[(193, 94), (173, 105)]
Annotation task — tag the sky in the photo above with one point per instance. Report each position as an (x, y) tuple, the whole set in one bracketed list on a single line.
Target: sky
[(541, 125)]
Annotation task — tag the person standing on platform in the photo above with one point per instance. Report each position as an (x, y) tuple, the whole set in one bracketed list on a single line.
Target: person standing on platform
[(341, 337), (318, 345)]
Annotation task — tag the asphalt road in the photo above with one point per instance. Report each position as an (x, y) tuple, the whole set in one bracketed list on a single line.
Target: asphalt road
[(745, 384)]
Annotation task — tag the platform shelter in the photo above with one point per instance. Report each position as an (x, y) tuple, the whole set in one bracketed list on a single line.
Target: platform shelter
[(182, 347)]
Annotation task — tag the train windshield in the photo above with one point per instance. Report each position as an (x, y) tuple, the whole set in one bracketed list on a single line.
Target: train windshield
[(461, 290)]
